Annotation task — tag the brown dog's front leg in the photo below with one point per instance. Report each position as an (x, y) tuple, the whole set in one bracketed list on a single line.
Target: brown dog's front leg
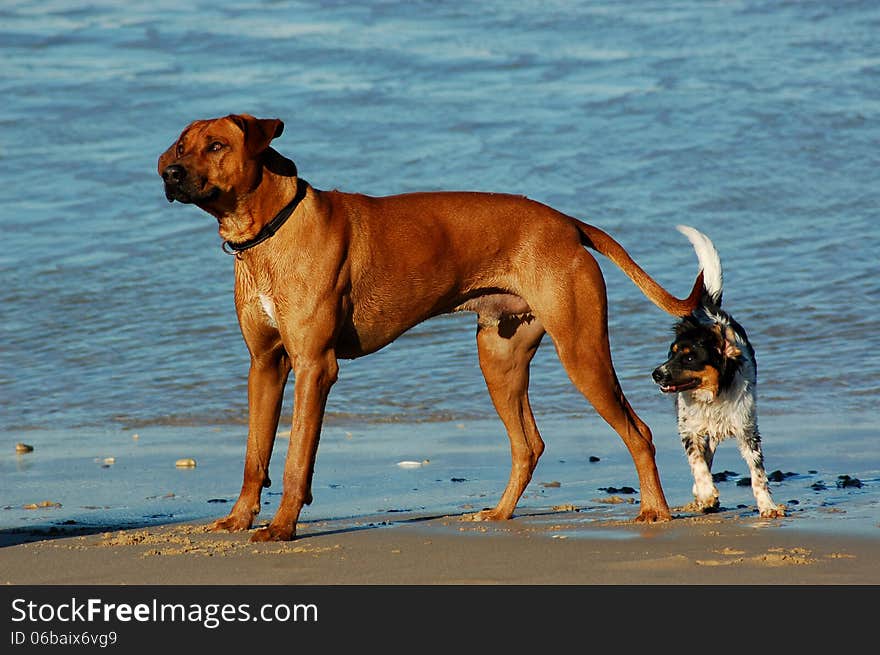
[(266, 381), (312, 386)]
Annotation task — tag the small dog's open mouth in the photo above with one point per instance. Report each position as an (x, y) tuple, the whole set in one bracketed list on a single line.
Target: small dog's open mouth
[(684, 386)]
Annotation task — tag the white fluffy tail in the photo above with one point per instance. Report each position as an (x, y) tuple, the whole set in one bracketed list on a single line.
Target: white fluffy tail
[(710, 262)]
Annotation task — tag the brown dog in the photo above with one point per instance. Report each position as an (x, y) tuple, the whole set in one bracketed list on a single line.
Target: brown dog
[(347, 274)]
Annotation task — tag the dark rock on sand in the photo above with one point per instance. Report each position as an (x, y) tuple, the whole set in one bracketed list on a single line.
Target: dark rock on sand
[(723, 476), (844, 481), (616, 490)]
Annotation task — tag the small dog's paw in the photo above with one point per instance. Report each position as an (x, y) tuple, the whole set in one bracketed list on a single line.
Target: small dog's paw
[(703, 506), (775, 512)]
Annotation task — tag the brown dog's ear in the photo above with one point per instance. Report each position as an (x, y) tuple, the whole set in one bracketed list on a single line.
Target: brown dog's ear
[(258, 132)]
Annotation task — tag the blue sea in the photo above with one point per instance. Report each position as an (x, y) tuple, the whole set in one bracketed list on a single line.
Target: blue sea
[(756, 121)]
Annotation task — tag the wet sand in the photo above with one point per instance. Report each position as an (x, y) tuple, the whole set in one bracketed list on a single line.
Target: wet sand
[(142, 521), (541, 548)]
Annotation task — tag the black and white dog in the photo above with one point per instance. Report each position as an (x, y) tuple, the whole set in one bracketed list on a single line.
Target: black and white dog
[(713, 372)]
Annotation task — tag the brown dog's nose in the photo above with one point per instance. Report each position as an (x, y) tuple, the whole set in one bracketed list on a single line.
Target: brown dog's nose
[(174, 174)]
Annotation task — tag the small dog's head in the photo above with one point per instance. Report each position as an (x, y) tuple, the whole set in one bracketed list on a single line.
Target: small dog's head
[(701, 359), (215, 161)]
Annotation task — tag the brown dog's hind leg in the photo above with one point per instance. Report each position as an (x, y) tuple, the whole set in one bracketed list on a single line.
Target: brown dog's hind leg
[(506, 350), (266, 381), (576, 319), (598, 382)]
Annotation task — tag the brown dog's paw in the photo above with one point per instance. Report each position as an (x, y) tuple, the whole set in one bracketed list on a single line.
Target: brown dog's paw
[(653, 516), (272, 533), (233, 523), (486, 515)]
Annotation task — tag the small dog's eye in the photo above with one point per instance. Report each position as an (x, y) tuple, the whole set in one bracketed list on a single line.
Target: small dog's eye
[(215, 146), (179, 149)]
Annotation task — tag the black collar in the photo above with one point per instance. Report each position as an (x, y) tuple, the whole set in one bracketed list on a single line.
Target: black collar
[(270, 228)]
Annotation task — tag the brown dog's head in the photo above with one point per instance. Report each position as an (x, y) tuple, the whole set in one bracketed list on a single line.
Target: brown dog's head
[(215, 161)]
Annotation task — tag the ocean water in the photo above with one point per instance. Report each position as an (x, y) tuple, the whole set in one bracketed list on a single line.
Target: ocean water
[(757, 122)]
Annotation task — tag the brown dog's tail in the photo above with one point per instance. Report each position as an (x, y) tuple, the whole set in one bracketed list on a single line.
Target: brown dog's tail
[(593, 237)]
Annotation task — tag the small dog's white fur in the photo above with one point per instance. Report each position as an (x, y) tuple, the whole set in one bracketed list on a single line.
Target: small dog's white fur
[(706, 419)]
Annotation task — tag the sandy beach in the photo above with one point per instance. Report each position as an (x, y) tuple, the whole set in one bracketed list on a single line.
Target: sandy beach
[(141, 521), (552, 548)]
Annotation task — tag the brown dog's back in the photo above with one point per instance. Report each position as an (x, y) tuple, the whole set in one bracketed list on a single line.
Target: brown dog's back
[(418, 255)]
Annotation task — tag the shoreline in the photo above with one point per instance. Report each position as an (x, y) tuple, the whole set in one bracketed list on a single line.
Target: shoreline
[(540, 548), (142, 521)]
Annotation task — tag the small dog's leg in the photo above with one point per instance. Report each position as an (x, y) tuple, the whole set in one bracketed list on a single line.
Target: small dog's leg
[(700, 455), (750, 448), (504, 360)]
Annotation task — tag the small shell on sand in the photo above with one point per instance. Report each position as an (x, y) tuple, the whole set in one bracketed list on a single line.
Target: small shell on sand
[(45, 503), (185, 463), (22, 448)]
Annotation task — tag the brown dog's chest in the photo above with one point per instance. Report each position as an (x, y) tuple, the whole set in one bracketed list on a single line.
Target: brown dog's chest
[(267, 303), (279, 313)]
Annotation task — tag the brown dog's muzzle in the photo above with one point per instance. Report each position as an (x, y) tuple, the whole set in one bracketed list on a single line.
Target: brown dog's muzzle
[(174, 177), (183, 187)]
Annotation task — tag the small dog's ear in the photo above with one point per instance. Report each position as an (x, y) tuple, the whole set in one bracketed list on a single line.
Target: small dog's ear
[(726, 341), (258, 132), (731, 350)]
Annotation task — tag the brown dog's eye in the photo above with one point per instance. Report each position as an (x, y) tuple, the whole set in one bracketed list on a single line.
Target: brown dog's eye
[(179, 149), (215, 146)]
